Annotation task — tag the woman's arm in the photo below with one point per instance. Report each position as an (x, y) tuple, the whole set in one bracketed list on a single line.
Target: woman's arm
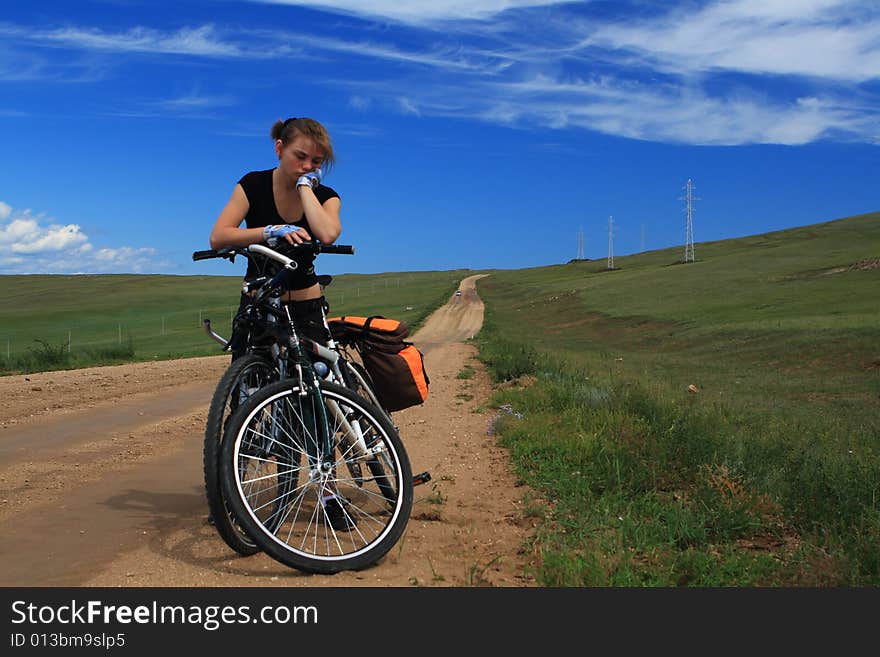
[(226, 231), (323, 220)]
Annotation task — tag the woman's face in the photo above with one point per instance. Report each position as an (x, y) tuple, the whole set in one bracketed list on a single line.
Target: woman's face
[(300, 156)]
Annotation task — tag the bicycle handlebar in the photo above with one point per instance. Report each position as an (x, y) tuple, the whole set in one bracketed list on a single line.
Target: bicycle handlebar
[(314, 246)]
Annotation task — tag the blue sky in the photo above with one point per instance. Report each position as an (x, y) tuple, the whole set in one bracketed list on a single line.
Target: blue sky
[(469, 133)]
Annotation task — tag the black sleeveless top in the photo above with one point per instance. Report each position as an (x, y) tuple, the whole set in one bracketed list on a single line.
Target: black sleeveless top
[(257, 186)]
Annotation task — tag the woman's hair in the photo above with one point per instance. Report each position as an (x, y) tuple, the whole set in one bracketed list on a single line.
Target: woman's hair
[(288, 129)]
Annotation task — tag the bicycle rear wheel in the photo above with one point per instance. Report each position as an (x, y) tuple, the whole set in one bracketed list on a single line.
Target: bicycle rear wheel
[(315, 520), (241, 379)]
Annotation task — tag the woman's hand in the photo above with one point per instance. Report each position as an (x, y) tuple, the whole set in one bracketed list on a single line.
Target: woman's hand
[(311, 179), (293, 234)]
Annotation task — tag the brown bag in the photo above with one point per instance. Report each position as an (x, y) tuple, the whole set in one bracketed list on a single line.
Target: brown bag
[(396, 367)]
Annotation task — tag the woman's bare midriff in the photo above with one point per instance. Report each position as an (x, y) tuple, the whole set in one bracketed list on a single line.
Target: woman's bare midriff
[(313, 292)]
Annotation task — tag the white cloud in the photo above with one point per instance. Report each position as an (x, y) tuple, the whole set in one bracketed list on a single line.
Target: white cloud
[(669, 112), (24, 234), (673, 114), (823, 38), (126, 258), (35, 245), (203, 41), (359, 102), (407, 106), (438, 57), (655, 78), (716, 72), (195, 101), (420, 12)]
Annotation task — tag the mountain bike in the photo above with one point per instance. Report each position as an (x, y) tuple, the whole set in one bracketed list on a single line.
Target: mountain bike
[(292, 460), (262, 332)]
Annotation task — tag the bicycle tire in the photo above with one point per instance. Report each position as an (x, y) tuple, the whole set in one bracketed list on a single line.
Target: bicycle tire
[(303, 537), (224, 403)]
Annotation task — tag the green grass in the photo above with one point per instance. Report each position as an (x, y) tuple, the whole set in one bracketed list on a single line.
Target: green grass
[(769, 474), (56, 322), (466, 372)]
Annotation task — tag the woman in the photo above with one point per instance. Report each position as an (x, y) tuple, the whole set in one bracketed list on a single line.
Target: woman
[(290, 203)]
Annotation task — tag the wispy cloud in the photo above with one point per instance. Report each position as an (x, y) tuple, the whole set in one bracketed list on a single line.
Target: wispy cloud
[(209, 41), (680, 113), (671, 113), (36, 244), (818, 38), (420, 12), (697, 77), (439, 57), (195, 101), (201, 41), (715, 72), (20, 64), (193, 105)]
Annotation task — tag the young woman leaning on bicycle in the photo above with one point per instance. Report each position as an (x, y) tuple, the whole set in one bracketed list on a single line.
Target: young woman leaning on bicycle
[(288, 203)]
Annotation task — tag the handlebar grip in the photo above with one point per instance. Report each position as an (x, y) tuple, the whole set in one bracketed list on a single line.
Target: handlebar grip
[(205, 255), (344, 249), (315, 247), (225, 252)]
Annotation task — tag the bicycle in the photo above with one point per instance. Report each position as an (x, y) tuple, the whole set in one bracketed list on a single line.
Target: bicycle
[(264, 333)]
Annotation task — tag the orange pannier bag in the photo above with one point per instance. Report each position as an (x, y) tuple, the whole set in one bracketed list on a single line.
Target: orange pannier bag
[(396, 367)]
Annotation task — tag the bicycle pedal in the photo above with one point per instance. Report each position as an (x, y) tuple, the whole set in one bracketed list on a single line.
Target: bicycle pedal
[(421, 478)]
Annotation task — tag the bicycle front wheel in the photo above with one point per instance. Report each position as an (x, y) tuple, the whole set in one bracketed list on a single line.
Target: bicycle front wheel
[(308, 510)]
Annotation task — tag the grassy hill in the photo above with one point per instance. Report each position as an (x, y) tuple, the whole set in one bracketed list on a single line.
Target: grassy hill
[(709, 423), (797, 309)]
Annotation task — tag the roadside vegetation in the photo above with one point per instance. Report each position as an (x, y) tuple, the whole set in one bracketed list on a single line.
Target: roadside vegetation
[(65, 322), (715, 423)]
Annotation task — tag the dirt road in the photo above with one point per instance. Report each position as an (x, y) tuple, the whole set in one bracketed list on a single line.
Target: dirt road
[(101, 481)]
